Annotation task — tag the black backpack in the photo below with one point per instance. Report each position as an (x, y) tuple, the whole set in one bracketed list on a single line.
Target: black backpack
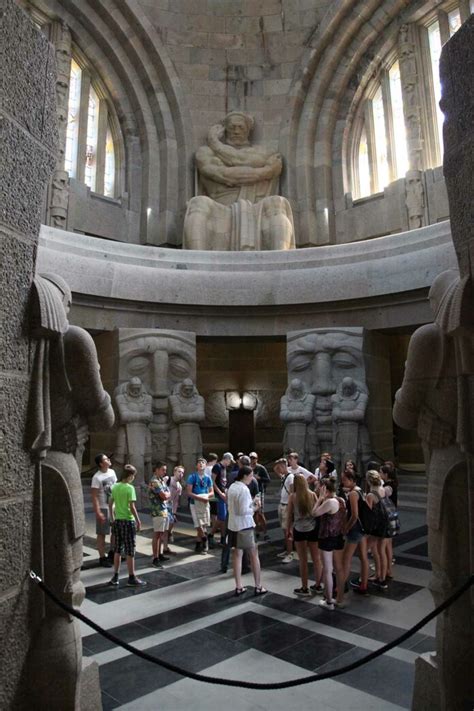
[(366, 515), (385, 521)]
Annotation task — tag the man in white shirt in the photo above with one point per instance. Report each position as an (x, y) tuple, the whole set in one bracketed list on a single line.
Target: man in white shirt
[(281, 469), (101, 484), (295, 468)]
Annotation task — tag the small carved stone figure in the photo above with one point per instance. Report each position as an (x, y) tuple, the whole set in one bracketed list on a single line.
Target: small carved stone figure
[(135, 411), (239, 208), (351, 439), (296, 411), (436, 398), (66, 401), (414, 201), (187, 412)]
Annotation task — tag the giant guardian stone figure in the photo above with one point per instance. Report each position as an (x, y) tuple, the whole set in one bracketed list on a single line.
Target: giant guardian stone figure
[(239, 207)]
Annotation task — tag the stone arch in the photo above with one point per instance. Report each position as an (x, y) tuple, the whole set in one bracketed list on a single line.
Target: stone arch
[(342, 53), (150, 106)]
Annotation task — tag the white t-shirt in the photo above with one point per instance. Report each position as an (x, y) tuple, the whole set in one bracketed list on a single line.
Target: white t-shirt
[(286, 488), (100, 481), (300, 470), (239, 503), (317, 474)]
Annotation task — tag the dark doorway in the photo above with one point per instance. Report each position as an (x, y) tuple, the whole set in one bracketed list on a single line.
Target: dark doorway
[(241, 431)]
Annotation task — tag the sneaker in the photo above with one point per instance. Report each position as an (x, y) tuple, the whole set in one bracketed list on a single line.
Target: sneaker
[(288, 558), (340, 605), (162, 557), (317, 589), (135, 582), (303, 592), (381, 584), (105, 562), (327, 605), (282, 554), (114, 580), (156, 563)]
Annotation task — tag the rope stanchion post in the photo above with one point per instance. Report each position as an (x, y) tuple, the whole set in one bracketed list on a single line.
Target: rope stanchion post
[(248, 684)]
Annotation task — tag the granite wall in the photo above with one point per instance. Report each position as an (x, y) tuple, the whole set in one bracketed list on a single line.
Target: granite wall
[(28, 139)]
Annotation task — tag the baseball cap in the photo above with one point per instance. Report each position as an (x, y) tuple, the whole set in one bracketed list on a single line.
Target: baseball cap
[(253, 455), (228, 455)]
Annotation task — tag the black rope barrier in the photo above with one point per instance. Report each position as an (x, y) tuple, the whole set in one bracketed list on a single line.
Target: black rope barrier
[(249, 684)]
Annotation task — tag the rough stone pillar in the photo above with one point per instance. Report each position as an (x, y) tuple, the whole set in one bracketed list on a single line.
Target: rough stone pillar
[(436, 398), (414, 189), (60, 36), (28, 141)]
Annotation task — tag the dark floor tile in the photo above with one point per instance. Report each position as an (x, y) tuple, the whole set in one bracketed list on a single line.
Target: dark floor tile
[(241, 625), (413, 562), (275, 638), (131, 677), (385, 677), (336, 618), (421, 549), (383, 632), (199, 650), (411, 535), (397, 590), (101, 594), (96, 643), (292, 605), (349, 657), (108, 702), (314, 651), (428, 644)]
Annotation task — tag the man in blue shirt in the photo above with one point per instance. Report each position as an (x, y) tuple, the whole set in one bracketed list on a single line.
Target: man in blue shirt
[(199, 488)]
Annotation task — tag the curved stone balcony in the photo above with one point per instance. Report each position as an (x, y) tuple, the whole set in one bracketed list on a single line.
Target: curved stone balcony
[(379, 283)]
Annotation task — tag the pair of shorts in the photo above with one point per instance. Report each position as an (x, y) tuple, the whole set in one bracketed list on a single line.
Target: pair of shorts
[(283, 515), (332, 543), (102, 528), (243, 540), (125, 536), (161, 524), (355, 534), (200, 513), (221, 510), (311, 536)]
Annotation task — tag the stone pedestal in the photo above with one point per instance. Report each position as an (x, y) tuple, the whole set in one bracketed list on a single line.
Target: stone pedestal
[(426, 689)]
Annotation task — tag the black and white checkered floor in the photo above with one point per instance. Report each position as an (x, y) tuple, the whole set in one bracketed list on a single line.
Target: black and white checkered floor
[(188, 615)]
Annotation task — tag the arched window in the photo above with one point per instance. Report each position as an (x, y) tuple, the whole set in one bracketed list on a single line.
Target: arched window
[(380, 154), (90, 152)]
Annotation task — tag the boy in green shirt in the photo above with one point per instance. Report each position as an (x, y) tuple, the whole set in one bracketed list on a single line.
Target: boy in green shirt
[(125, 524)]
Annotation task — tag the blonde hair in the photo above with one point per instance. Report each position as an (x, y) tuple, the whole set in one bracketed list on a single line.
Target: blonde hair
[(374, 478), (303, 496)]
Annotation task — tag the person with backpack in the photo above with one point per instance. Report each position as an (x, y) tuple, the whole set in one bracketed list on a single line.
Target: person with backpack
[(332, 512), (354, 532), (384, 525)]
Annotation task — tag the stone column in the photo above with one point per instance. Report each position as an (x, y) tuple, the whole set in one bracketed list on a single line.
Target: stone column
[(59, 187), (414, 189), (28, 144)]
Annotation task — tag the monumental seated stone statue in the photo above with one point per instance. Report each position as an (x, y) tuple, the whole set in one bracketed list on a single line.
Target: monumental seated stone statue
[(239, 208)]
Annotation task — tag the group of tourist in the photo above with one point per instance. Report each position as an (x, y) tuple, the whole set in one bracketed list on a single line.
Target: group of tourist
[(331, 518)]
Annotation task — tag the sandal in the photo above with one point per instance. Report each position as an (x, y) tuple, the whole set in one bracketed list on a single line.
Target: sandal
[(260, 591), (240, 591)]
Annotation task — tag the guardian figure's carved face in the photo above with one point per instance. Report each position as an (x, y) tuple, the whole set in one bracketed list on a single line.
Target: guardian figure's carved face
[(322, 358), (161, 359)]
